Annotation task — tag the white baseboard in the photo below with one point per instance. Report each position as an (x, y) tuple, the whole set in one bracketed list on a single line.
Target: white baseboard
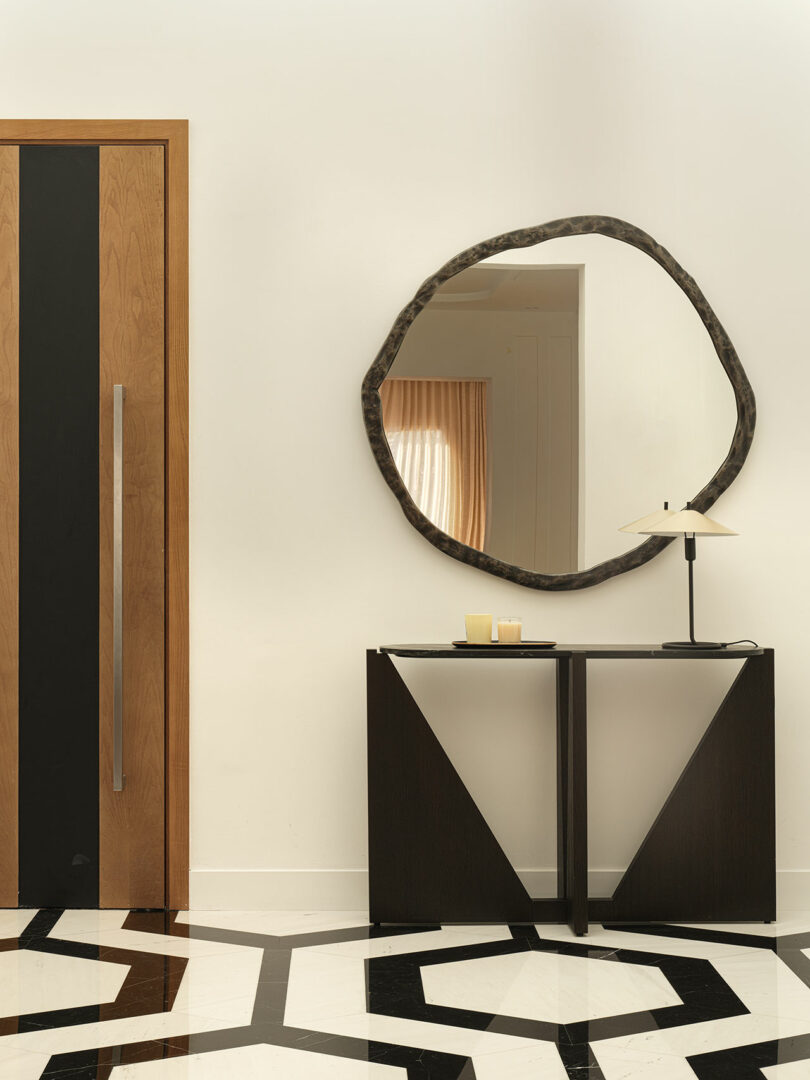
[(347, 890), (330, 890)]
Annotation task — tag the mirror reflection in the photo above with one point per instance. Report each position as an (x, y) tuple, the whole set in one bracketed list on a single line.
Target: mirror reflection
[(546, 396)]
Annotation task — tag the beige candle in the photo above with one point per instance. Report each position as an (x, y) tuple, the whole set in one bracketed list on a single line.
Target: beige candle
[(479, 629), (509, 629)]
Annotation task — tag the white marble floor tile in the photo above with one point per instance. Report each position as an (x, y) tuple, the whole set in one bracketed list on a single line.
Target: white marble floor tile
[(129, 1029), (708, 1035), (258, 1063), (16, 1064), (323, 985), (231, 1012), (392, 1029), (400, 944), (618, 1063), (32, 982), (766, 985), (622, 939), (489, 931), (546, 986), (14, 920), (73, 923), (222, 986), (538, 1062), (276, 923), (104, 928), (791, 1070)]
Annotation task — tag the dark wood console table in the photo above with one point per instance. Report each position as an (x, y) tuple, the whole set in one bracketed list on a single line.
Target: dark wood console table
[(708, 856)]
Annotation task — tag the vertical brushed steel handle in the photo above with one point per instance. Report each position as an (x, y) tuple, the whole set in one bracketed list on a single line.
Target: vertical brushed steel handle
[(119, 393)]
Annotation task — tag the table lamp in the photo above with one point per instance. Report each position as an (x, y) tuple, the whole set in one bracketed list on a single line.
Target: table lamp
[(688, 523)]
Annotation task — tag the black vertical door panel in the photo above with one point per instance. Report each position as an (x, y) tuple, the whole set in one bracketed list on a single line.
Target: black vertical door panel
[(59, 365)]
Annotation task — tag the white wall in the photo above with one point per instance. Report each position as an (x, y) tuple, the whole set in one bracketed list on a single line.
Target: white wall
[(341, 151)]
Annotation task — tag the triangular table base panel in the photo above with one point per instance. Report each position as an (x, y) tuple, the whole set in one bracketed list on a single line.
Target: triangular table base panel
[(433, 856), (710, 854)]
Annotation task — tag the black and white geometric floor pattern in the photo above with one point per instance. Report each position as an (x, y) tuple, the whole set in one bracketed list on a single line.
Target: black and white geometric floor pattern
[(90, 995)]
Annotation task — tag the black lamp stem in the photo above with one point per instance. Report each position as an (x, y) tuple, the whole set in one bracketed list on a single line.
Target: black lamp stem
[(689, 552)]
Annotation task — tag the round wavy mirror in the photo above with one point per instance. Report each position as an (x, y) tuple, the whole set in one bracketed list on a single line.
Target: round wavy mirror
[(547, 386)]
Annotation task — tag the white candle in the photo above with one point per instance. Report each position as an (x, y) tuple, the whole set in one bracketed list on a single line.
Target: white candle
[(479, 629), (509, 629)]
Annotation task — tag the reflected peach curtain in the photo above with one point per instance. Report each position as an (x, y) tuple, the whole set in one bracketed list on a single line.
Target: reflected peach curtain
[(437, 431)]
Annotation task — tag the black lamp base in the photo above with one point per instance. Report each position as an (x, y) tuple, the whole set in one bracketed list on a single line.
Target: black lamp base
[(693, 645)]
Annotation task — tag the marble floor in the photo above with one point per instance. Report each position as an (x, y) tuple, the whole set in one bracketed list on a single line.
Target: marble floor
[(207, 995)]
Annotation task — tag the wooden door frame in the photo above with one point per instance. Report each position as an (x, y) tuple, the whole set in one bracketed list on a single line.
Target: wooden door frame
[(173, 136)]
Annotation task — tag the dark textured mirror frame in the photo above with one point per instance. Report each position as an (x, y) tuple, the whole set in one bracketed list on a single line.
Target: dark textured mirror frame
[(521, 238)]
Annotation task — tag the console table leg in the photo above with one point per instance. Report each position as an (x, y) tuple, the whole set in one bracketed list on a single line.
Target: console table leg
[(576, 829), (563, 683)]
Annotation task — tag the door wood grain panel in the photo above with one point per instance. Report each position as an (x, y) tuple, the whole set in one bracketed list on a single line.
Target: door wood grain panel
[(9, 518), (177, 602), (131, 254)]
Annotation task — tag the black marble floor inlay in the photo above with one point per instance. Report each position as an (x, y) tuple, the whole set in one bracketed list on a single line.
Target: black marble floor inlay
[(323, 997)]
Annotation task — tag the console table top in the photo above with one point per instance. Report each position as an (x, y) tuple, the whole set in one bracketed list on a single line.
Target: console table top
[(592, 652)]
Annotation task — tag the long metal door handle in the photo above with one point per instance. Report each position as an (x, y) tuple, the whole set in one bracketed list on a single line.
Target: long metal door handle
[(119, 393)]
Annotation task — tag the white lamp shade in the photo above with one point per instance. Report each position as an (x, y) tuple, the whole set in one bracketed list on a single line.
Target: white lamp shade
[(688, 521), (648, 521)]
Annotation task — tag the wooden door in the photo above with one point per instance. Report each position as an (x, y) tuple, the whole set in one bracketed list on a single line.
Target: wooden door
[(82, 309), (131, 280)]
